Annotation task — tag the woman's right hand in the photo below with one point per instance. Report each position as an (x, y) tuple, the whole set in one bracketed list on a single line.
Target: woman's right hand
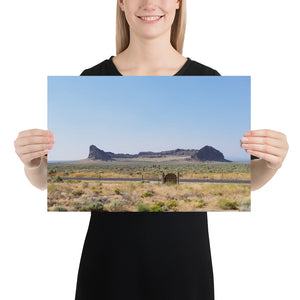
[(32, 144)]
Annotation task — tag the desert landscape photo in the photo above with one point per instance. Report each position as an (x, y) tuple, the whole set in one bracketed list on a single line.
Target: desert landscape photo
[(118, 152)]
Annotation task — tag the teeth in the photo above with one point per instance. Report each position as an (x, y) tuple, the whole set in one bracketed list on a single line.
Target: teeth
[(150, 18)]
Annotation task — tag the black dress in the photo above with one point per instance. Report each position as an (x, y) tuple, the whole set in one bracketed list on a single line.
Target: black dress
[(141, 256)]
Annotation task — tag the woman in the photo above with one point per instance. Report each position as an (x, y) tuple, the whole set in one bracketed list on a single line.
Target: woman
[(149, 255)]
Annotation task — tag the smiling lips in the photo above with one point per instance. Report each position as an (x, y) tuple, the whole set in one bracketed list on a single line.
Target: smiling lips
[(150, 19)]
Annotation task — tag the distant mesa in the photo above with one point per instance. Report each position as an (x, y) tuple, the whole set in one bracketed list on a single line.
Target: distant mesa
[(177, 152), (209, 153), (206, 153), (97, 154)]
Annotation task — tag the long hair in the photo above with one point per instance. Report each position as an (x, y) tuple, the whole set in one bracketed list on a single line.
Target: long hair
[(177, 30)]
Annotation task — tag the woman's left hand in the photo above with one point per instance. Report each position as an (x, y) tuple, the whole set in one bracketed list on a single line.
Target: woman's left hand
[(269, 145)]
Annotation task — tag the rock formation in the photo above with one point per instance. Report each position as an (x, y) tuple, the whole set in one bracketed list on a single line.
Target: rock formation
[(206, 153), (209, 153), (96, 154)]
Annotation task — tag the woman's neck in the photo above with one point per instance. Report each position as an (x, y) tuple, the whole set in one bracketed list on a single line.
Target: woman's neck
[(149, 57)]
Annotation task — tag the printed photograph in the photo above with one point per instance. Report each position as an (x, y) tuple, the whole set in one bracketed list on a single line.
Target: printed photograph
[(149, 143)]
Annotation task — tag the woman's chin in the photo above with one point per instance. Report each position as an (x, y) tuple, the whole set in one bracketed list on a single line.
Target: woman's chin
[(151, 34)]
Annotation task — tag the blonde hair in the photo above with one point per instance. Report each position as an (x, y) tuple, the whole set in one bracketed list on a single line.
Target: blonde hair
[(177, 30)]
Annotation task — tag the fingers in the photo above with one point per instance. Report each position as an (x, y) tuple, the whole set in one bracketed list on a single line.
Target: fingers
[(266, 144), (31, 140), (264, 148), (35, 148), (33, 143), (27, 158), (267, 141), (36, 132), (34, 136), (274, 162), (265, 133)]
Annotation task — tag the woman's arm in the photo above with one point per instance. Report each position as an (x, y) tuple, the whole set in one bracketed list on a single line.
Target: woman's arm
[(271, 147), (38, 175)]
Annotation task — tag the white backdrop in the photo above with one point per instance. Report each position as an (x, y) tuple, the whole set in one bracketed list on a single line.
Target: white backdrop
[(255, 255)]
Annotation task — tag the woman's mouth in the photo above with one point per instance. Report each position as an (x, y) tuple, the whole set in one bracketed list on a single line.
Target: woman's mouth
[(150, 19)]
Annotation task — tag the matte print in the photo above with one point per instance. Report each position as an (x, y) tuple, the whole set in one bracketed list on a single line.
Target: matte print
[(148, 143)]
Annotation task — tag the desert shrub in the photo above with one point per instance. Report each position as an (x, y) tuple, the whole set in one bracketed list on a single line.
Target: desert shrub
[(164, 208), (57, 179), (244, 205), (117, 191), (219, 193), (51, 202), (199, 203), (52, 187), (126, 196), (99, 199), (97, 191), (226, 204), (84, 208), (77, 193), (52, 171), (116, 205), (147, 194), (96, 206), (159, 203), (171, 204), (59, 208), (85, 185), (187, 200), (143, 207), (105, 199), (131, 187), (156, 208), (77, 206)]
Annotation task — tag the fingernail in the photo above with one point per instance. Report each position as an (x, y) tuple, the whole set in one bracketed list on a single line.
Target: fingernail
[(248, 133), (244, 139)]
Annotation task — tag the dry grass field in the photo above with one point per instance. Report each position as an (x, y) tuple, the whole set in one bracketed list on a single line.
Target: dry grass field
[(151, 169), (78, 194), (143, 196)]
